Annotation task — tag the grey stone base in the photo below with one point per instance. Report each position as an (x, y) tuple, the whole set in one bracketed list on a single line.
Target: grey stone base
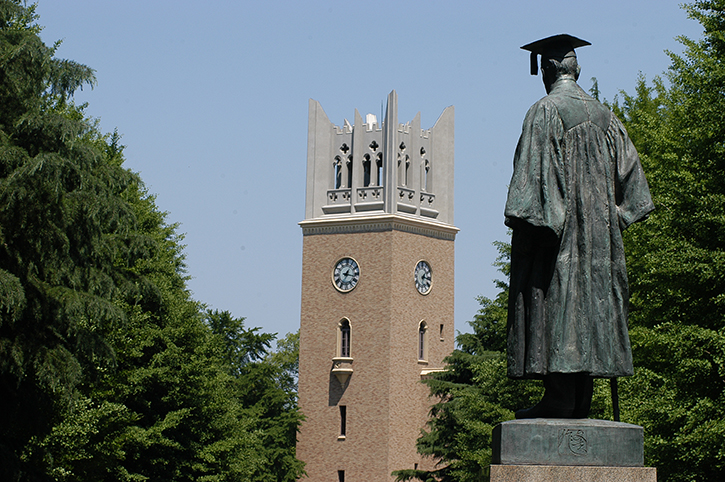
[(577, 442), (569, 473)]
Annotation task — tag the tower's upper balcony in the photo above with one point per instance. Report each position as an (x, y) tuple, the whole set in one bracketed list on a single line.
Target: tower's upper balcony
[(369, 168)]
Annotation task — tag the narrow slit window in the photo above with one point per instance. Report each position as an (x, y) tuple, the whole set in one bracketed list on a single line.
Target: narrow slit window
[(421, 341), (343, 420), (340, 476)]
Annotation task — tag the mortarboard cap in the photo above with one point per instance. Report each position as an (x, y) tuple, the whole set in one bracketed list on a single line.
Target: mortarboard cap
[(560, 46)]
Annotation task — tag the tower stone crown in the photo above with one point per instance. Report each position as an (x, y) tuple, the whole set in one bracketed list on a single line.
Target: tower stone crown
[(370, 168)]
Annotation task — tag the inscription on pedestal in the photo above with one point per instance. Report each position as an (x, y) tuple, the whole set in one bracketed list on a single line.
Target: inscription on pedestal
[(572, 441), (542, 441)]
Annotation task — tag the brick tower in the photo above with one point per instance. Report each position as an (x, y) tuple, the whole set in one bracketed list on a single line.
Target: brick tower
[(377, 291)]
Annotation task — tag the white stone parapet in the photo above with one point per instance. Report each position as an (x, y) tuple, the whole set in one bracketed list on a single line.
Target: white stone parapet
[(369, 167)]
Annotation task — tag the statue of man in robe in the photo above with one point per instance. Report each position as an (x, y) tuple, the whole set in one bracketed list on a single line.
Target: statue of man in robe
[(577, 184)]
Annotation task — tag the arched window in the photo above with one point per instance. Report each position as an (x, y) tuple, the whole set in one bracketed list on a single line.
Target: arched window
[(349, 171), (338, 172), (426, 167), (379, 165), (403, 163), (344, 339), (425, 172), (422, 345), (407, 168), (366, 170)]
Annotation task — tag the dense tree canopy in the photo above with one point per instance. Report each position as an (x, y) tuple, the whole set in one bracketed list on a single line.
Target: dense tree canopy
[(676, 266), (265, 385), (109, 370), (677, 259)]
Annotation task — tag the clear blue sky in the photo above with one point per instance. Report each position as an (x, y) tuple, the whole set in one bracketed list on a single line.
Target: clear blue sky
[(211, 100)]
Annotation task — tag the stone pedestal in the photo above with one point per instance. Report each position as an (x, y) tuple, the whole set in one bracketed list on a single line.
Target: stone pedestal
[(570, 473), (569, 449)]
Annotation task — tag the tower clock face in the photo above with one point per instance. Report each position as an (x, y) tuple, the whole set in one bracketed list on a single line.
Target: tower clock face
[(346, 274), (423, 277)]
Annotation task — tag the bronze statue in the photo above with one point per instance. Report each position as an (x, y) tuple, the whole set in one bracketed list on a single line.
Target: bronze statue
[(577, 184)]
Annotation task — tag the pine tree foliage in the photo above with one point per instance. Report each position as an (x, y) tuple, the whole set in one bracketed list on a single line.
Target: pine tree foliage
[(61, 222), (109, 370), (265, 385), (240, 345)]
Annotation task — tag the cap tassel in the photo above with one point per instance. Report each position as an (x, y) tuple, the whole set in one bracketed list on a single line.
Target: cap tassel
[(534, 64)]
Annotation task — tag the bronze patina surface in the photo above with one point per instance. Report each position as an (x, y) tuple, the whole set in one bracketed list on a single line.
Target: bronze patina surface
[(577, 184), (568, 442)]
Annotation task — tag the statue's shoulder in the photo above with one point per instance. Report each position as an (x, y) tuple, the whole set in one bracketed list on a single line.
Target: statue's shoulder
[(576, 107), (546, 106)]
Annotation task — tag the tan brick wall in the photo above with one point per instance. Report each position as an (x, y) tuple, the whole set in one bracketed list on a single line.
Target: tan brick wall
[(386, 403)]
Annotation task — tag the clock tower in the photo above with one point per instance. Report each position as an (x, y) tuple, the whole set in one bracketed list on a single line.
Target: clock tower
[(377, 291)]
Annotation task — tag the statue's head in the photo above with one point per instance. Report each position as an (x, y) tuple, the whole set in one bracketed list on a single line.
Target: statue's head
[(558, 58), (554, 68)]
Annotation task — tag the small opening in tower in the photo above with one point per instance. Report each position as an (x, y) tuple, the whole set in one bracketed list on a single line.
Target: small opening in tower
[(421, 341), (340, 476), (366, 170), (343, 420), (345, 338), (407, 168), (379, 165), (426, 185), (338, 172), (441, 332), (349, 171)]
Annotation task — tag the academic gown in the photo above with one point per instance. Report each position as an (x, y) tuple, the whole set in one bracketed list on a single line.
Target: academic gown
[(577, 184)]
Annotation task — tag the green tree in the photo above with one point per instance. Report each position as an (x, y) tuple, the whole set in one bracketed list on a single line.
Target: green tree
[(240, 345), (677, 259), (265, 385), (61, 221), (172, 376), (108, 368), (287, 359)]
